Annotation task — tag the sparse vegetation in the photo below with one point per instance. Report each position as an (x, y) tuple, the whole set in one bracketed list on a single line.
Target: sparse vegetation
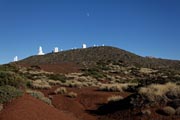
[(54, 82), (39, 95), (61, 90), (57, 77), (114, 98), (7, 93), (143, 81), (40, 84), (11, 78), (160, 92), (113, 87), (72, 94), (95, 73)]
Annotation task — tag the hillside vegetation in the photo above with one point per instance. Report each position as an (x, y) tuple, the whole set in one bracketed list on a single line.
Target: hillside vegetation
[(91, 56)]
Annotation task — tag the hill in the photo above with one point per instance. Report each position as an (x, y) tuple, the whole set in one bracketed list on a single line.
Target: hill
[(91, 56)]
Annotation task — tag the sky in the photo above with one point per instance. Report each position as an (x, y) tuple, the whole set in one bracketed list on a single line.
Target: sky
[(144, 27)]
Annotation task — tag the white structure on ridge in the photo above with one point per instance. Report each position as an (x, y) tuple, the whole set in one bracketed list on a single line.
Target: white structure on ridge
[(84, 46), (56, 50), (40, 51), (15, 58)]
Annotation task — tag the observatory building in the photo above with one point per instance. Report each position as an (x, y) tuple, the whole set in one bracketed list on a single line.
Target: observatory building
[(56, 50), (40, 51), (84, 46), (15, 58)]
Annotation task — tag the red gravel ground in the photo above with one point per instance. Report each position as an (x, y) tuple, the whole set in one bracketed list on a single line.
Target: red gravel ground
[(87, 99), (79, 108), (29, 108)]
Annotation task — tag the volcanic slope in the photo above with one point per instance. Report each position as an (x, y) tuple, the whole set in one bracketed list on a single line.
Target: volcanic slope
[(78, 58), (29, 108)]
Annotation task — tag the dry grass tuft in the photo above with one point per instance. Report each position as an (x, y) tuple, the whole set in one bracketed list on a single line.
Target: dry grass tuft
[(61, 90), (113, 87), (40, 84), (158, 92), (39, 95), (72, 95), (114, 98), (54, 82)]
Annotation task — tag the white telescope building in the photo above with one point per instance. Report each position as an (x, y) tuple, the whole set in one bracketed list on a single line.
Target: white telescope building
[(40, 51)]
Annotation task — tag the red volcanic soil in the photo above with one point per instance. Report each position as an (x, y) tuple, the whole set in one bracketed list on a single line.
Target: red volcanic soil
[(29, 108), (65, 67), (87, 99), (89, 104), (60, 68)]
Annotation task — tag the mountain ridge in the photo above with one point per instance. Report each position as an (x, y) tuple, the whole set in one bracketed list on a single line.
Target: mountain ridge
[(90, 56)]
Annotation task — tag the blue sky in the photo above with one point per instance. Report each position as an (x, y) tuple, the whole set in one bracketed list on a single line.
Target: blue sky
[(144, 27)]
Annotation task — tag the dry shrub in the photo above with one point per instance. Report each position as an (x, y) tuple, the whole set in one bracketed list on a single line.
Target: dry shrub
[(39, 95), (178, 111), (61, 90), (54, 82), (73, 83), (40, 84), (72, 95), (146, 70), (158, 92), (113, 87), (114, 98), (168, 110)]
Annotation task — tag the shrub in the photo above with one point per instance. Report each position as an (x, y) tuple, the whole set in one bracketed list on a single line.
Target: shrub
[(11, 78), (94, 72), (74, 84), (54, 82), (159, 92), (178, 111), (9, 67), (61, 90), (72, 95), (57, 77), (7, 93), (113, 87), (40, 84), (168, 110), (46, 100), (174, 92), (39, 95), (115, 98)]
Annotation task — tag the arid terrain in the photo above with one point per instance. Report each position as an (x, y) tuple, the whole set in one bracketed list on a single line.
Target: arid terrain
[(98, 83)]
